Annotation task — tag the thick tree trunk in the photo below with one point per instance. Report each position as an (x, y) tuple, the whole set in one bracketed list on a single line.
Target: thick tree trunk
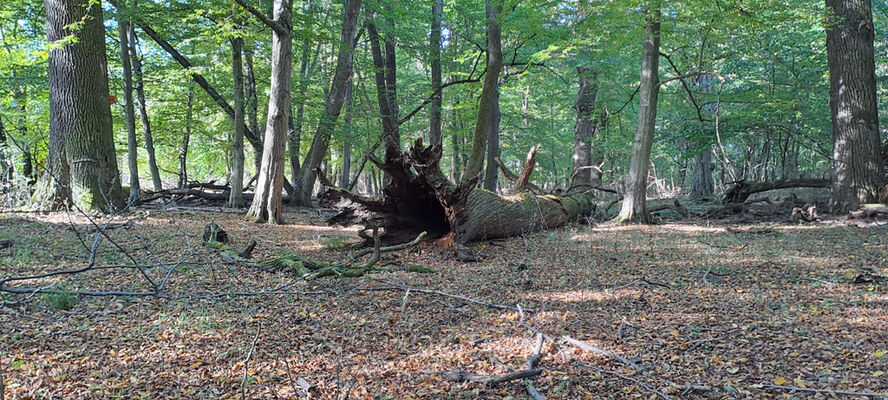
[(857, 171), (634, 208), (79, 107), (129, 110), (488, 105), (586, 128), (701, 180), (435, 58), (236, 196), (183, 149), (332, 106), (267, 206), (426, 201), (741, 191), (136, 57)]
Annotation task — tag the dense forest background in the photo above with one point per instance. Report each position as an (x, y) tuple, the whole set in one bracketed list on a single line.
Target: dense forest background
[(752, 102)]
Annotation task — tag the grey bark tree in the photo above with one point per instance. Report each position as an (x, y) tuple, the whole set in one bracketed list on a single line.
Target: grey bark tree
[(136, 57), (385, 90), (332, 106), (488, 105), (857, 170), (186, 137), (80, 112), (586, 128), (344, 177), (6, 165), (701, 180), (267, 201), (236, 195), (634, 207), (435, 59), (129, 110)]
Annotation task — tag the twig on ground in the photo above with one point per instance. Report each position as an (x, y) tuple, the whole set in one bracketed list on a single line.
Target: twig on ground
[(640, 384), (396, 286), (829, 391), (243, 387), (463, 376)]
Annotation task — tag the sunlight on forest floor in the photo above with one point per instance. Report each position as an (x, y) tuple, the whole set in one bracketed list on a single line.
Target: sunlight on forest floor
[(734, 308)]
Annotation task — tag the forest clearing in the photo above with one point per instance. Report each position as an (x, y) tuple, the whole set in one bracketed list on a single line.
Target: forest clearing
[(443, 199)]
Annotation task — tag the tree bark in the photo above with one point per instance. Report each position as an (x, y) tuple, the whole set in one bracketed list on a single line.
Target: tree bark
[(633, 207), (136, 57), (183, 150), (435, 56), (267, 206), (345, 176), (79, 107), (741, 191), (129, 109), (236, 196), (701, 180), (388, 113), (251, 100), (6, 165), (586, 128), (857, 171), (488, 105), (332, 106)]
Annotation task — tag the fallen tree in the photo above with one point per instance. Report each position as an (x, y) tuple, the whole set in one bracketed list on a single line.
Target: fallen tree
[(741, 190), (420, 198)]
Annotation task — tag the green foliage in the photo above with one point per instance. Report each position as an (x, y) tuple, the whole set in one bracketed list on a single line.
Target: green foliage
[(61, 300)]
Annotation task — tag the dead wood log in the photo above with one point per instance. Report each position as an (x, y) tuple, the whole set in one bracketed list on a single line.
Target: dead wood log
[(512, 177), (867, 211), (741, 191), (675, 206), (419, 197), (522, 182)]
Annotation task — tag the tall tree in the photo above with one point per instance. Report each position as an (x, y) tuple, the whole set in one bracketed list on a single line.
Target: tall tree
[(857, 170), (386, 89), (236, 195), (186, 137), (633, 207), (332, 106), (344, 177), (6, 165), (586, 127), (488, 106), (80, 128), (435, 59), (139, 84), (129, 109)]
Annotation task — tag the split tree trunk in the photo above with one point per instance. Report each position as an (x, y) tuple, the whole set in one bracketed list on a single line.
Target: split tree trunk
[(634, 208), (488, 105), (132, 147), (136, 57), (857, 174), (332, 106), (80, 113), (267, 202)]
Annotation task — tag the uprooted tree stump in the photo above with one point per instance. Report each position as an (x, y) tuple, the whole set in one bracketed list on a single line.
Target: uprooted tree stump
[(741, 190), (420, 198)]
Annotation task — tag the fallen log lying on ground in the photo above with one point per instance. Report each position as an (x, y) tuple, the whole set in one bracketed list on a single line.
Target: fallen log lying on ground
[(741, 191), (420, 198)]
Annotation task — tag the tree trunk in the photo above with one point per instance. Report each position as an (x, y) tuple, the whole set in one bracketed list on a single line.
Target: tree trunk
[(79, 107), (488, 105), (267, 204), (251, 101), (6, 165), (388, 112), (345, 176), (634, 208), (135, 56), (332, 106), (435, 56), (741, 191), (129, 110), (857, 174), (236, 195), (428, 202), (701, 180), (183, 150), (586, 128)]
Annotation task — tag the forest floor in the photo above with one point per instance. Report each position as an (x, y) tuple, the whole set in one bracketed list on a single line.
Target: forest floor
[(737, 309)]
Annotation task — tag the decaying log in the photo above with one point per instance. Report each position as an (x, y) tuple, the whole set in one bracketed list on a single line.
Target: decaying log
[(867, 211), (421, 198), (528, 169), (741, 191), (808, 213)]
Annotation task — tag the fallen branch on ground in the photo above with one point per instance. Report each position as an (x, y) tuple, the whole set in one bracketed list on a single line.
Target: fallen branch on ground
[(490, 380), (827, 391)]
